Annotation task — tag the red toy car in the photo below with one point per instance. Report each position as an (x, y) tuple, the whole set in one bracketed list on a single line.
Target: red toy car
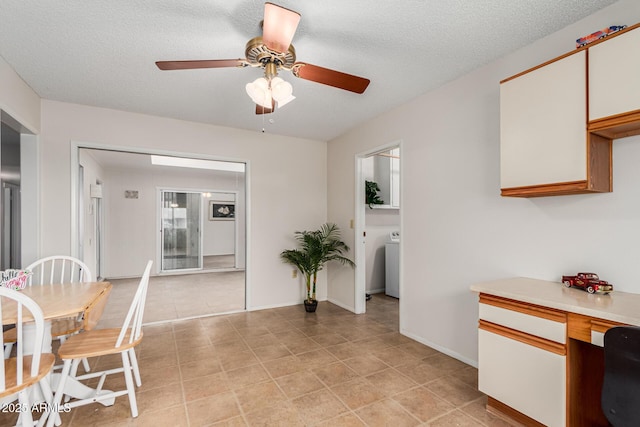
[(590, 282), (583, 41)]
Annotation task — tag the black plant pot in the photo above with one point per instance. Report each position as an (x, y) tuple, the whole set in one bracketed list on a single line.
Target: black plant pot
[(310, 306)]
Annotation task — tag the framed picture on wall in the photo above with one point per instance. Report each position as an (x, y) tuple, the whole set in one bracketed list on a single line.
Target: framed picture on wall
[(225, 211)]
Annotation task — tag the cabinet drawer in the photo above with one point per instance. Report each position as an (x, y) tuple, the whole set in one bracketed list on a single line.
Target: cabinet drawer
[(598, 329), (526, 378), (589, 329), (529, 323)]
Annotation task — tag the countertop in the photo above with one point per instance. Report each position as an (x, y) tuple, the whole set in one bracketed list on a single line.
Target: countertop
[(616, 306)]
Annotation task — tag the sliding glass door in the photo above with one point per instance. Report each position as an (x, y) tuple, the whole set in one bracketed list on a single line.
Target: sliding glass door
[(181, 225)]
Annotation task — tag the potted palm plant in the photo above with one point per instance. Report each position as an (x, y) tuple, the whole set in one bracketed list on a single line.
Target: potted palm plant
[(315, 249)]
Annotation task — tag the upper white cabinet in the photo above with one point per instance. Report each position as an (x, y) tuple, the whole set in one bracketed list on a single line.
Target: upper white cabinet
[(558, 120), (543, 125), (614, 76)]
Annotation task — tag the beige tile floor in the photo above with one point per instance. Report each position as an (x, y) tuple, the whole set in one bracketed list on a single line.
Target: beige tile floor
[(285, 367), (172, 297)]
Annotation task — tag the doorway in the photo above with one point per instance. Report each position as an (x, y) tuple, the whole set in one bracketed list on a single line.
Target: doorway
[(10, 226), (10, 203), (378, 223), (156, 206)]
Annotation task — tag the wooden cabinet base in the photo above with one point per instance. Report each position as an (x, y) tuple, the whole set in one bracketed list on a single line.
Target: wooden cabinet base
[(500, 408), (599, 174), (559, 189), (586, 372), (618, 126)]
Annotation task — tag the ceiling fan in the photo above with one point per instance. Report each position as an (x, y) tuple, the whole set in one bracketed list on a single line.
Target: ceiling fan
[(274, 52)]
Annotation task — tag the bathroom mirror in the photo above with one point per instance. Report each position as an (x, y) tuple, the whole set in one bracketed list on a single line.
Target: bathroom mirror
[(383, 168)]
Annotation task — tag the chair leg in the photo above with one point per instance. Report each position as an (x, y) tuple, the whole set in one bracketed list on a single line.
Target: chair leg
[(45, 388), (74, 367), (134, 364), (130, 387), (85, 364), (57, 398), (73, 372), (7, 350), (26, 418)]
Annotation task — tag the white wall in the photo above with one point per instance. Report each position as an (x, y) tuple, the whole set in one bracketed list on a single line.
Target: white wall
[(18, 99), (286, 176), (457, 230)]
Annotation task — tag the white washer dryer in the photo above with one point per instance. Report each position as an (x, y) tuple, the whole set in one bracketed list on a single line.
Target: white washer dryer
[(392, 265)]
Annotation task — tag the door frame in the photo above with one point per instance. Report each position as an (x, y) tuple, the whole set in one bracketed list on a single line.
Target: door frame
[(75, 162), (360, 302)]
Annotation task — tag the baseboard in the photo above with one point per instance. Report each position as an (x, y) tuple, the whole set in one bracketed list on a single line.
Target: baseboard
[(500, 409), (339, 304), (441, 349)]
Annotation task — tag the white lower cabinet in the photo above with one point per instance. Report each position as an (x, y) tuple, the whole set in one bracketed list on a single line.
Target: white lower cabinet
[(525, 377)]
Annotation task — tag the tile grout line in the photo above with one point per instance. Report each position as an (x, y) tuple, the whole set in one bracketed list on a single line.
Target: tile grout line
[(184, 396)]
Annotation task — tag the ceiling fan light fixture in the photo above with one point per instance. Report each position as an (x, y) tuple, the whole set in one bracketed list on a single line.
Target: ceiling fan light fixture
[(259, 92), (263, 92), (281, 91), (284, 101)]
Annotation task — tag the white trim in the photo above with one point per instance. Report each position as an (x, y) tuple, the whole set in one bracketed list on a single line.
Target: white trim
[(360, 304), (288, 304), (339, 304), (75, 163), (441, 349), (15, 120), (30, 198)]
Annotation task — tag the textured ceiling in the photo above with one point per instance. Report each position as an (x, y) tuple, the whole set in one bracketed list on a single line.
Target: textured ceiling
[(102, 53)]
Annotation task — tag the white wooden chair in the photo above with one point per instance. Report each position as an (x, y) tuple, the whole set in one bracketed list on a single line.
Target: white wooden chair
[(21, 373), (54, 270), (100, 342), (58, 269)]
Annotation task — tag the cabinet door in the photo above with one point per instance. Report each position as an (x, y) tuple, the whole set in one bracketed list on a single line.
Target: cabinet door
[(526, 378), (614, 76), (543, 125)]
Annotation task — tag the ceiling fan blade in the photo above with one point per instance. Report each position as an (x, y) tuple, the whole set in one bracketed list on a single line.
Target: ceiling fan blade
[(265, 110), (278, 27), (330, 77), (205, 63)]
